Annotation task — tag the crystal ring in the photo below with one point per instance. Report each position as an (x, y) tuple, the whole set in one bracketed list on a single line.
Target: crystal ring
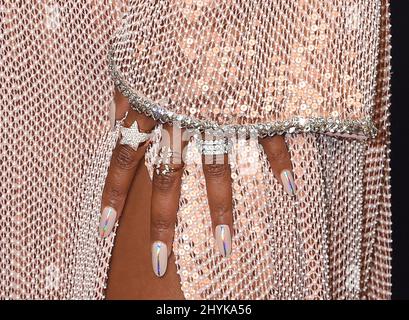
[(132, 136), (215, 147)]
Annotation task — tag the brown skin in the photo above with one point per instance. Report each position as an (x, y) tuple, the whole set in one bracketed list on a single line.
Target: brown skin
[(130, 274), (147, 217)]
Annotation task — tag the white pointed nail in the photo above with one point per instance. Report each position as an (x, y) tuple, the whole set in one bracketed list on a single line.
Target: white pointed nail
[(159, 258), (223, 239), (111, 114), (288, 182), (107, 222)]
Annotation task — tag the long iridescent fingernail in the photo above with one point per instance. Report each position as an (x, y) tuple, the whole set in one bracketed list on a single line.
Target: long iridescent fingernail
[(223, 239), (107, 221), (159, 258), (288, 182)]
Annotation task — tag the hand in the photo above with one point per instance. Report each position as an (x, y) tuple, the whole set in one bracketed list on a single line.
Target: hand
[(167, 180), (124, 164)]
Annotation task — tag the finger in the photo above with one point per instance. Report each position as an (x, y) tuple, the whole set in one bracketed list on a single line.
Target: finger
[(217, 174), (121, 171), (118, 108), (122, 105), (280, 161), (166, 188)]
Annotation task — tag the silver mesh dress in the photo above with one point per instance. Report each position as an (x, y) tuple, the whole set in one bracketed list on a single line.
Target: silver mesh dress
[(317, 71)]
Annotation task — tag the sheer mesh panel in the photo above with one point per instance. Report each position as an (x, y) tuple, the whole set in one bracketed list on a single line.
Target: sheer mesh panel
[(323, 68), (54, 98), (301, 65)]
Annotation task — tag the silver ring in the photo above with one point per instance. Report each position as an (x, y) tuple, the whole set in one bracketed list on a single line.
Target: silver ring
[(215, 147), (164, 160), (132, 136)]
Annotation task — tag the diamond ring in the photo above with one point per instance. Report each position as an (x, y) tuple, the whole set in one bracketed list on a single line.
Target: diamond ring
[(132, 136), (215, 147)]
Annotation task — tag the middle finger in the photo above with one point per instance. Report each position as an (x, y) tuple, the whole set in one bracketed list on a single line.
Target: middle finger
[(217, 174), (166, 188)]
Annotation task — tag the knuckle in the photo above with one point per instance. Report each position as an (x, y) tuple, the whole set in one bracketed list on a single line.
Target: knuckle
[(166, 181), (221, 211), (278, 154), (215, 170), (163, 182), (113, 193), (162, 224), (125, 157)]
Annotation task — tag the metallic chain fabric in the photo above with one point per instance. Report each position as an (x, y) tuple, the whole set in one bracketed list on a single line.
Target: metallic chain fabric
[(55, 93), (318, 71)]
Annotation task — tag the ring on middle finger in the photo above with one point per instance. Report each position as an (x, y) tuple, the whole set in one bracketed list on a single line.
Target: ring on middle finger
[(165, 159)]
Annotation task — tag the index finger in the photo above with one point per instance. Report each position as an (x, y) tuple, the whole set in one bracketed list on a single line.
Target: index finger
[(124, 163)]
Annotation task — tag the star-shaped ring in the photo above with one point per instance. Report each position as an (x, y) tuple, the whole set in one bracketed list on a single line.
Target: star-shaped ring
[(132, 136)]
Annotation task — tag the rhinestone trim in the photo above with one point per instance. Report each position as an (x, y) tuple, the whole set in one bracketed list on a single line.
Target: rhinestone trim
[(362, 128)]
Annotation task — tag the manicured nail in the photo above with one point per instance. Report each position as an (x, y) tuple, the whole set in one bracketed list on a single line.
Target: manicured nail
[(288, 182), (223, 239), (159, 258), (107, 221)]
